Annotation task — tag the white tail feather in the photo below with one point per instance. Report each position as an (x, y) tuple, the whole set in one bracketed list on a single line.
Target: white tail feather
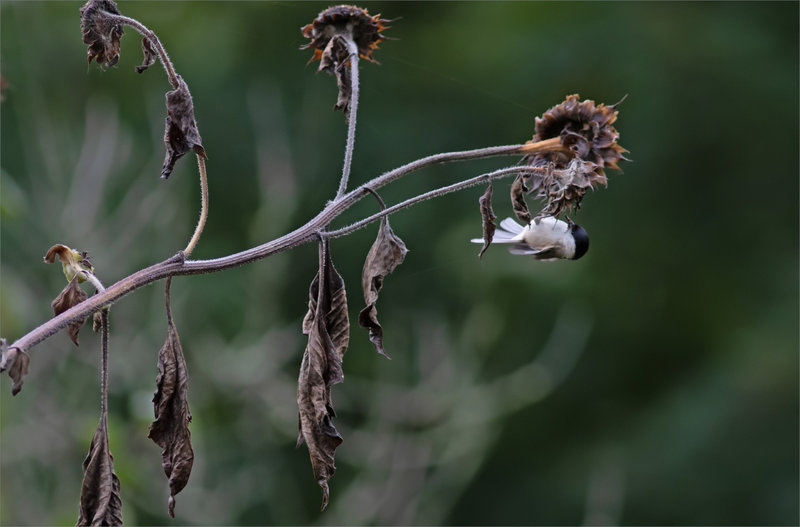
[(508, 232)]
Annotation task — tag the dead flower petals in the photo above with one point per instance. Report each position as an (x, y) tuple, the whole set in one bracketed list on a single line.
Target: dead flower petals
[(180, 128), (101, 32)]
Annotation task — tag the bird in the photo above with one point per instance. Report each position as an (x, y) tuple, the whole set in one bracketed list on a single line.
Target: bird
[(546, 239)]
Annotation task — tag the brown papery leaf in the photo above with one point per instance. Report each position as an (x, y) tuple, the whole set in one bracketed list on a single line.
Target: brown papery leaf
[(170, 430), (100, 32), (19, 366), (180, 131), (149, 55), (487, 219), (328, 329), (518, 203), (100, 498), (387, 252), (335, 61), (71, 295)]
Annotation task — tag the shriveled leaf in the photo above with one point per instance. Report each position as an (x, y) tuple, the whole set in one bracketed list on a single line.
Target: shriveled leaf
[(149, 55), (100, 491), (334, 60), (16, 362), (100, 32), (487, 219), (170, 430), (518, 203), (71, 295), (180, 130), (387, 252), (328, 329)]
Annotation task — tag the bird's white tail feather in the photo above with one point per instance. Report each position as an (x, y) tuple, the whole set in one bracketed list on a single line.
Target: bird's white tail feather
[(511, 226), (506, 233)]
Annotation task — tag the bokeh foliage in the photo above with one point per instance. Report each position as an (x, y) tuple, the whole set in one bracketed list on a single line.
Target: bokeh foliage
[(655, 381)]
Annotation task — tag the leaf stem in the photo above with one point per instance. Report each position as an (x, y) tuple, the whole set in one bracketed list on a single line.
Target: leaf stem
[(351, 118), (201, 222), (104, 362)]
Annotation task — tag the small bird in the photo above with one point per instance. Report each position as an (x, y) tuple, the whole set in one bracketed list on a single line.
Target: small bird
[(548, 239)]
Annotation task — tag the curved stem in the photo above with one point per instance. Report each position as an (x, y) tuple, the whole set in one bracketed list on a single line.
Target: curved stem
[(201, 222), (351, 118)]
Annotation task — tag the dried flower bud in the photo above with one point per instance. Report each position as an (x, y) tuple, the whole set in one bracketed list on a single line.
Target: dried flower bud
[(354, 23), (72, 262), (101, 32), (587, 130)]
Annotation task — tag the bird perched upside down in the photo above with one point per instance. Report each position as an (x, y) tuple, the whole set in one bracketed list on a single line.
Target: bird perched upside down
[(548, 239)]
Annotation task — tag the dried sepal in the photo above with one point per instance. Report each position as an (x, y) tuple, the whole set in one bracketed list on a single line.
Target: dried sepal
[(70, 296), (487, 219), (387, 252), (518, 203), (73, 262), (354, 23), (180, 128), (149, 53), (100, 492), (328, 330), (170, 430), (101, 32), (586, 129)]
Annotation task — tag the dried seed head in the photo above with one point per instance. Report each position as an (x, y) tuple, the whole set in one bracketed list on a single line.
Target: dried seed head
[(100, 31), (354, 23), (586, 129)]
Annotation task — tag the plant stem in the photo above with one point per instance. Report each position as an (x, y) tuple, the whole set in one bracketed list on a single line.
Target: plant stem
[(351, 118), (104, 362), (178, 265), (201, 222)]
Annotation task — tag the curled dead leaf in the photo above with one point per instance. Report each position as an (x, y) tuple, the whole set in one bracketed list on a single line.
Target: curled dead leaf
[(487, 219), (335, 61), (16, 362), (100, 492), (518, 191), (71, 295), (149, 55), (180, 128), (170, 430)]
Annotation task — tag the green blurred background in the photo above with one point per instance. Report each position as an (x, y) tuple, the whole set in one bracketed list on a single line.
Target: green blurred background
[(653, 382)]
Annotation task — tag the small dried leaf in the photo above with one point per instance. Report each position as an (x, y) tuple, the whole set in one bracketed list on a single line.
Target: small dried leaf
[(335, 61), (149, 55), (170, 430), (328, 330), (100, 491), (387, 252), (100, 32), (18, 369), (487, 219), (180, 130), (518, 191), (71, 295)]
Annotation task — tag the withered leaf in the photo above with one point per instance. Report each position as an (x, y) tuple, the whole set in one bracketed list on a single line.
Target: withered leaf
[(100, 491), (149, 55), (180, 128), (71, 295), (328, 329), (16, 362), (170, 430), (387, 252), (100, 32), (334, 60), (487, 219), (518, 203)]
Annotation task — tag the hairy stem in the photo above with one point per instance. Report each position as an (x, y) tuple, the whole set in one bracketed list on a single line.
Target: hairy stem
[(104, 367), (351, 118), (201, 222), (178, 265)]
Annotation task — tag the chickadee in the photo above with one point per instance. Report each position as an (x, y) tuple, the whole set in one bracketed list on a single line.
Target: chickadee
[(549, 239)]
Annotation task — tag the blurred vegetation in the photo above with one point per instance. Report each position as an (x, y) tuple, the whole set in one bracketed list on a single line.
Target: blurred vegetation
[(655, 381)]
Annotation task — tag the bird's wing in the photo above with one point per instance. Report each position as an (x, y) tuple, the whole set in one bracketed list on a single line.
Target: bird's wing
[(544, 253)]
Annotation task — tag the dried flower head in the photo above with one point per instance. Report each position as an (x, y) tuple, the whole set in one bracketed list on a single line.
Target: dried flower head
[(354, 23), (100, 31), (586, 129)]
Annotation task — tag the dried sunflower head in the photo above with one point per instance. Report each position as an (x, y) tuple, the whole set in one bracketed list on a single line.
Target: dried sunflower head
[(349, 21), (586, 129), (100, 32)]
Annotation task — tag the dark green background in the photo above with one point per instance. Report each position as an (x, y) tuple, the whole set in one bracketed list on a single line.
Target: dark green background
[(653, 382)]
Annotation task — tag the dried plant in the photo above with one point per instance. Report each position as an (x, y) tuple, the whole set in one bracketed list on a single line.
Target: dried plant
[(573, 145)]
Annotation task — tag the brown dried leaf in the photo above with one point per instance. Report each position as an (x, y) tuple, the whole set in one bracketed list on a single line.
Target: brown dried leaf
[(71, 295), (487, 219), (149, 55), (100, 32), (328, 328), (100, 491), (518, 191), (170, 430), (335, 60), (387, 252), (18, 369), (180, 130)]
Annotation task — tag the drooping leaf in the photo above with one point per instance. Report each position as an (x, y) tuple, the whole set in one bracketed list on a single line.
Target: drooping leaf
[(149, 55), (518, 203), (100, 491), (170, 430), (16, 362), (180, 130), (387, 252), (335, 61), (71, 295), (100, 32), (487, 219), (328, 329)]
